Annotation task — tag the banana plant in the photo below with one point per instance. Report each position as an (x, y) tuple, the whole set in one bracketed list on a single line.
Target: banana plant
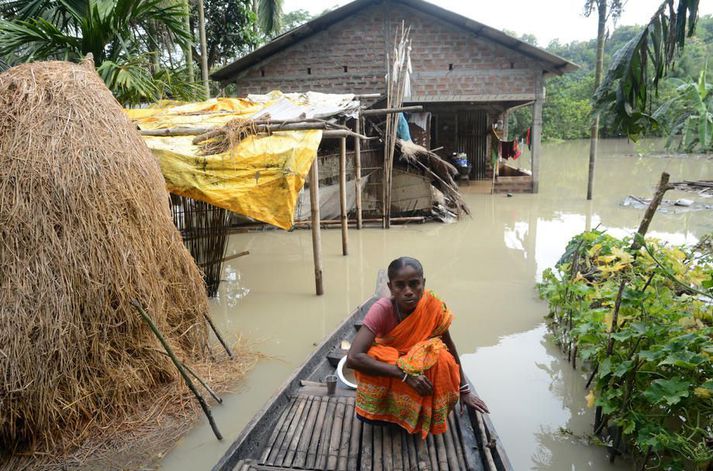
[(689, 114)]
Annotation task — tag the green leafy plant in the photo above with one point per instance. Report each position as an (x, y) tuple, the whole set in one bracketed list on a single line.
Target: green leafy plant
[(689, 114), (113, 31), (651, 370)]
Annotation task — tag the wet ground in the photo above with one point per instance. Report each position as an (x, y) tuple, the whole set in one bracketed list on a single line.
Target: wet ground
[(485, 267)]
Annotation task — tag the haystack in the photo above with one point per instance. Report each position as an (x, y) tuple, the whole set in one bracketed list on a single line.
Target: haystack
[(85, 227)]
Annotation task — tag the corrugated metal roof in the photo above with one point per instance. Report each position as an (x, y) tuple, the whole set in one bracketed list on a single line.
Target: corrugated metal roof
[(550, 63)]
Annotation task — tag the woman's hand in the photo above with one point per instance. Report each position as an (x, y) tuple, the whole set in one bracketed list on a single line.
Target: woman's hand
[(471, 400), (421, 384)]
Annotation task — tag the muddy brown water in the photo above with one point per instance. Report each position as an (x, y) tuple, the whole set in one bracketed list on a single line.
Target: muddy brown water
[(485, 267)]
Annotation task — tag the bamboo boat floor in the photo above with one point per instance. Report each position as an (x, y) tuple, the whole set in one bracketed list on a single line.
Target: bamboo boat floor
[(317, 431)]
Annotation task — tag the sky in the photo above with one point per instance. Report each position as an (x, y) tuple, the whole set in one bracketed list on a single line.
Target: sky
[(527, 16)]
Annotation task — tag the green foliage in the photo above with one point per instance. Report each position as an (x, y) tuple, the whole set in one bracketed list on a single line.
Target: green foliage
[(654, 364), (230, 30), (567, 110), (118, 33), (625, 94), (269, 15), (293, 19), (689, 114)]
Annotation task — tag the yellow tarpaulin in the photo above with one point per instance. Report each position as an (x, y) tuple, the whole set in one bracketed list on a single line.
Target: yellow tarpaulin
[(260, 178)]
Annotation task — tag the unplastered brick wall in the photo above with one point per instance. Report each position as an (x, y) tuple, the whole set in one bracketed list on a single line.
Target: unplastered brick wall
[(448, 60), (349, 57)]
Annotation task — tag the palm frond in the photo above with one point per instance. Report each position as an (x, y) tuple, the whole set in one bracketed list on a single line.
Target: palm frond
[(626, 93), (270, 15), (37, 39), (130, 80)]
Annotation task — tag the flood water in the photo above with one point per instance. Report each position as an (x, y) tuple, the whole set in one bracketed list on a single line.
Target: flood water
[(485, 267)]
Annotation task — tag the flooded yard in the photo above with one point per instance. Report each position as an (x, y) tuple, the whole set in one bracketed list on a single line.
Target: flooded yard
[(485, 267)]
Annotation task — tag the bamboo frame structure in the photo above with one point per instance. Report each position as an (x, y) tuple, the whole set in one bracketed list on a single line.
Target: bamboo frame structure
[(343, 195), (357, 169)]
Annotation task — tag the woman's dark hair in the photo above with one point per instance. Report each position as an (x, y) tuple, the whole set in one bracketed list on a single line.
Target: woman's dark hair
[(401, 262)]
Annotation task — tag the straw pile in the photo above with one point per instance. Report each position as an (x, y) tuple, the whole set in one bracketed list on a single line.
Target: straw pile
[(85, 227)]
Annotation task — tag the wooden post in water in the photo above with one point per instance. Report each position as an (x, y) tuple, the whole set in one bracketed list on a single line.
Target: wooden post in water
[(536, 132), (343, 195), (357, 169), (316, 234)]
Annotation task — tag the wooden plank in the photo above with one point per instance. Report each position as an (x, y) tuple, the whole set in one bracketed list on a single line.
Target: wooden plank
[(294, 425), (342, 462), (423, 463), (335, 438), (355, 441), (321, 462), (275, 433), (453, 430), (450, 449), (441, 450), (489, 462), (378, 448), (316, 434), (301, 431), (432, 455), (272, 453), (366, 447), (413, 461), (386, 449), (303, 445), (397, 447), (470, 444)]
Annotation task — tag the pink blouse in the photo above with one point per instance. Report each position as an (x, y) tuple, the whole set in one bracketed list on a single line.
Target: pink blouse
[(381, 317)]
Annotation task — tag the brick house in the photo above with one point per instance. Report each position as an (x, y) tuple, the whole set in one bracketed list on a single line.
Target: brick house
[(466, 74)]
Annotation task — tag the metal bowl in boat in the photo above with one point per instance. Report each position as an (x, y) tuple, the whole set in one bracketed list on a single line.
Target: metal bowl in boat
[(345, 374)]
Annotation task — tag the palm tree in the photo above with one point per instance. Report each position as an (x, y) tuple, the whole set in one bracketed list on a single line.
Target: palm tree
[(111, 30), (269, 15), (633, 77)]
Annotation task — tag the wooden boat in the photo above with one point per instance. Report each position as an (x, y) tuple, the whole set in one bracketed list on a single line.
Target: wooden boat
[(303, 427)]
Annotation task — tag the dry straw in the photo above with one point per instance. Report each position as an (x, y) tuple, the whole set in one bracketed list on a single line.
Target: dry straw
[(85, 227)]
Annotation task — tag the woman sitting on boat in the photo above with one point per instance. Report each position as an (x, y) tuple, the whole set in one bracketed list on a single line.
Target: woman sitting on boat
[(405, 361)]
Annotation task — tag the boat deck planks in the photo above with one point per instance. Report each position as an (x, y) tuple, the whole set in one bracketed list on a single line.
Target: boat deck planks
[(318, 431)]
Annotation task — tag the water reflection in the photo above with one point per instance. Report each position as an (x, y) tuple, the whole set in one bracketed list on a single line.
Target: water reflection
[(485, 267)]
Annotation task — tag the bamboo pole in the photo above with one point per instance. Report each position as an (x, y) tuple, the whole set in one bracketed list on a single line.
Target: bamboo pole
[(218, 335), (354, 438), (343, 460), (450, 450), (442, 454), (303, 445), (316, 234), (489, 462), (453, 430), (335, 441), (367, 457), (384, 111), (397, 448), (378, 434), (323, 451), (179, 367), (275, 432), (343, 195), (357, 170), (432, 454), (299, 431), (313, 446), (327, 131)]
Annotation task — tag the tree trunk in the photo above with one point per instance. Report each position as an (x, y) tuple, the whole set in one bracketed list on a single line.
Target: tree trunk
[(602, 11), (188, 50), (204, 48)]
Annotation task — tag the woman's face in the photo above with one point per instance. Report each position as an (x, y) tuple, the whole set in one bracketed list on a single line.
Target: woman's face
[(407, 288)]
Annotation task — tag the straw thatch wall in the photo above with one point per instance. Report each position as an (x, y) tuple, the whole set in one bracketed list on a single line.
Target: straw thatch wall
[(85, 227)]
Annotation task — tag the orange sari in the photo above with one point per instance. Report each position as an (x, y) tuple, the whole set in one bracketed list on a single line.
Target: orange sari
[(415, 346)]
